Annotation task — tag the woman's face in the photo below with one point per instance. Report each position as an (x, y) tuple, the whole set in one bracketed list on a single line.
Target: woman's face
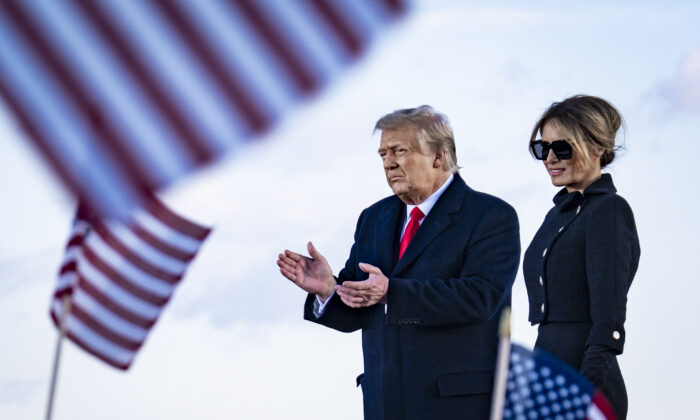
[(576, 173)]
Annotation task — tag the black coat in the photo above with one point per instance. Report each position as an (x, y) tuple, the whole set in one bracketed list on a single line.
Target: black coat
[(578, 269), (432, 355)]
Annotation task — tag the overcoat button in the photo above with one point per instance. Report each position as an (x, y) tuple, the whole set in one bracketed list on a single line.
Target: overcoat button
[(561, 228), (542, 308), (541, 282), (616, 335), (578, 209), (545, 252)]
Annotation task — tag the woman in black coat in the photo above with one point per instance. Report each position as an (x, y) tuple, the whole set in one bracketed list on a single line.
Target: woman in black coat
[(580, 264)]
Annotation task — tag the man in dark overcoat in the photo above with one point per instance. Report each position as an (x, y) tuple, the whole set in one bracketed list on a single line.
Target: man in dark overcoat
[(428, 274)]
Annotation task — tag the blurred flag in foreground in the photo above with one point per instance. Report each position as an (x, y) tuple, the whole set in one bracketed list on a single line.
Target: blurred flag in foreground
[(119, 276), (124, 97), (542, 387)]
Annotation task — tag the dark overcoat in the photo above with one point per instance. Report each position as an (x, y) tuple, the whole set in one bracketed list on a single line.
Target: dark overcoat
[(578, 269), (432, 354)]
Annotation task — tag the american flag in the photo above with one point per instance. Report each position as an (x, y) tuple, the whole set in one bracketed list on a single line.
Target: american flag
[(542, 387), (124, 97), (119, 275)]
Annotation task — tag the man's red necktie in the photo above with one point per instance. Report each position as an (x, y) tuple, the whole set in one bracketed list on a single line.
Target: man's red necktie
[(411, 229)]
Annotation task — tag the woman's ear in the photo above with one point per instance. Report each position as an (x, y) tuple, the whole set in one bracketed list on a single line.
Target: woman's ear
[(598, 152)]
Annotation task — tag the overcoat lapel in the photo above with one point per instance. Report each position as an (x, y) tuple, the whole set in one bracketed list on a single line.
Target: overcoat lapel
[(387, 227), (437, 220)]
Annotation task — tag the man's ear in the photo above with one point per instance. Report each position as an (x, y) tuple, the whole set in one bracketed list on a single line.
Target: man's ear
[(439, 160)]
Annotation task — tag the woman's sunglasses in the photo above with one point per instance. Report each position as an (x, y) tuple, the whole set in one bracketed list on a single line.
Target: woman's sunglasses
[(561, 148)]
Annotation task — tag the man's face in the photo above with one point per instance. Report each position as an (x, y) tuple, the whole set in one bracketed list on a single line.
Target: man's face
[(412, 173)]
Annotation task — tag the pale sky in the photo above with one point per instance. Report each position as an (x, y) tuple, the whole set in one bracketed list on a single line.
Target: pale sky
[(232, 343)]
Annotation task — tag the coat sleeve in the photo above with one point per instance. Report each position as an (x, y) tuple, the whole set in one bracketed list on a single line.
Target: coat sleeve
[(338, 315), (612, 255), (480, 288)]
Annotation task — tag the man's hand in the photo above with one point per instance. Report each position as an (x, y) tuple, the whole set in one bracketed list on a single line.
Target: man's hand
[(358, 294), (313, 275)]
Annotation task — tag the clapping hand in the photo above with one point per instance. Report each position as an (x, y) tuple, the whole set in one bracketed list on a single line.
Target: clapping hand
[(312, 274), (358, 294)]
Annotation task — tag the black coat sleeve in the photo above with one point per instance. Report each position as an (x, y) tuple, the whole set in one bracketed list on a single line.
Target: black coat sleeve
[(612, 255)]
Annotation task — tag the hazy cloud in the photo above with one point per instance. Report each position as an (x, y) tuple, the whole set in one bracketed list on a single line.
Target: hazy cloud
[(683, 91), (20, 391)]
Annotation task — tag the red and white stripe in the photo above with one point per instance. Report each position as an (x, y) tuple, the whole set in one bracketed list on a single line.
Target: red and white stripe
[(120, 275), (124, 97), (600, 408)]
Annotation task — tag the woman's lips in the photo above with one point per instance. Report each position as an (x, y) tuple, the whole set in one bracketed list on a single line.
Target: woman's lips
[(556, 171)]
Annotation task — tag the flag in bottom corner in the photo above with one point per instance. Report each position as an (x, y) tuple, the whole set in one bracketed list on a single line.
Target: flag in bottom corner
[(542, 387), (119, 276)]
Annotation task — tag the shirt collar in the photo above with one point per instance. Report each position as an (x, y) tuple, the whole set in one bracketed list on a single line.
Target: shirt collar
[(429, 202), (603, 185), (567, 200)]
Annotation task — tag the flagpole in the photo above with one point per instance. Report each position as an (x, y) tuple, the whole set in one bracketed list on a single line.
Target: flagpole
[(501, 375), (57, 355)]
